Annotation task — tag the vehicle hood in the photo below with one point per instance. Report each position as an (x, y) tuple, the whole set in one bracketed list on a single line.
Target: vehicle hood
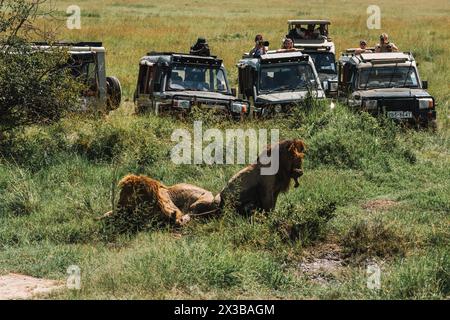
[(200, 95), (280, 97), (392, 93)]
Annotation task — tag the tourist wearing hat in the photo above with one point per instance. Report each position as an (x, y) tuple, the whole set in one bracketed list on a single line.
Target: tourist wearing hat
[(362, 47)]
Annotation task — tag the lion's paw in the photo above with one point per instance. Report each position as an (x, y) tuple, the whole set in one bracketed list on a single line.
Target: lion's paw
[(185, 219)]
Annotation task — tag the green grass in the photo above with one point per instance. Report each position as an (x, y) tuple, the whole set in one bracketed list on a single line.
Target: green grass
[(62, 177), (54, 180)]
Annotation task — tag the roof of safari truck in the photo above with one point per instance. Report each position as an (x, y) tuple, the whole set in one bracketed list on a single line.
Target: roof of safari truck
[(379, 58), (274, 56), (309, 22), (169, 57), (72, 46)]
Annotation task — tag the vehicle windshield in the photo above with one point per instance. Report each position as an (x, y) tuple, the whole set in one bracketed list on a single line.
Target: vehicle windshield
[(197, 78), (324, 62), (387, 77), (287, 78)]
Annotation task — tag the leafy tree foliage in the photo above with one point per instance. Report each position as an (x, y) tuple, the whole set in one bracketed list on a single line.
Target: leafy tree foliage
[(35, 84)]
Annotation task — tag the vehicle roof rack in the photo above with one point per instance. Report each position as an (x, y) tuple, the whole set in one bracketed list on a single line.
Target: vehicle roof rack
[(69, 44), (312, 47), (201, 60), (277, 57), (378, 57), (351, 51), (176, 57), (171, 53), (310, 21), (383, 57)]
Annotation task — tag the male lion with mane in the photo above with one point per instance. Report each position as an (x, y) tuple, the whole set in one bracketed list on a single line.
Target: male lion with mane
[(249, 190)]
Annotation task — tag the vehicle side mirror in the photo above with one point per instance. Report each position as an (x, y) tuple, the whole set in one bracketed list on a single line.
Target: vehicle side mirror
[(424, 84), (234, 92)]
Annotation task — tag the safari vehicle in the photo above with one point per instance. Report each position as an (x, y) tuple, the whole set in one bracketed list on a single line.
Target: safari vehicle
[(318, 45), (386, 83), (87, 63), (278, 81), (171, 82)]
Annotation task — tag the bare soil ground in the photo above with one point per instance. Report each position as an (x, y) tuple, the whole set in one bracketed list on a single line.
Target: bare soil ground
[(379, 204), (323, 263), (17, 286)]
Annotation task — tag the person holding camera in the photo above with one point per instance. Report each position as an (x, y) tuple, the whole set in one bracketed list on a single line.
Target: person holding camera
[(200, 48), (385, 45), (260, 46)]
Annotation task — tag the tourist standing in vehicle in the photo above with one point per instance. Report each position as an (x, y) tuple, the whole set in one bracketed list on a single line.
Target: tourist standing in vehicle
[(259, 48), (362, 47), (311, 33), (288, 45), (385, 45)]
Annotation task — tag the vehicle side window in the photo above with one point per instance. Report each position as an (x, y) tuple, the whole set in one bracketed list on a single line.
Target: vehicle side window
[(145, 78), (158, 76), (411, 78), (220, 81), (245, 81), (351, 76)]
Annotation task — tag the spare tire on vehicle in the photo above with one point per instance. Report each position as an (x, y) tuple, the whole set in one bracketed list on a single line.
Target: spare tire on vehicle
[(114, 91)]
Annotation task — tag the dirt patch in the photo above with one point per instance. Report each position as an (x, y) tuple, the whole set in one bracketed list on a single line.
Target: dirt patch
[(322, 263), (379, 205), (17, 286)]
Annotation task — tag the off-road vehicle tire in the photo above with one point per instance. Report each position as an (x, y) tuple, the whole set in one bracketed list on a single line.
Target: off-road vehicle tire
[(114, 91), (432, 125)]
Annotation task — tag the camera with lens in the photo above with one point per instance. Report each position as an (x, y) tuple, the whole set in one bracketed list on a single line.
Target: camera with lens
[(264, 43)]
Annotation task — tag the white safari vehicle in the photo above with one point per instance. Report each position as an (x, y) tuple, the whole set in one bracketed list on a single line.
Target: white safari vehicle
[(312, 37), (87, 63)]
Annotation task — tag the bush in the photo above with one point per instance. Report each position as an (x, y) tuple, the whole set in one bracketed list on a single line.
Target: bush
[(283, 232), (100, 142), (34, 85), (19, 197), (421, 276), (34, 148), (344, 139), (369, 239), (305, 224)]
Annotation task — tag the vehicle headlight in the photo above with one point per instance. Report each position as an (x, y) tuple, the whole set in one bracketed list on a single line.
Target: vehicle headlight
[(425, 103), (278, 108), (185, 104), (239, 107), (370, 104), (333, 86), (355, 102)]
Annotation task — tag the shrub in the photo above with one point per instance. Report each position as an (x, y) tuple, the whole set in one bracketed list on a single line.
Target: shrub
[(421, 276), (34, 85), (305, 224), (19, 197), (100, 142), (368, 239)]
